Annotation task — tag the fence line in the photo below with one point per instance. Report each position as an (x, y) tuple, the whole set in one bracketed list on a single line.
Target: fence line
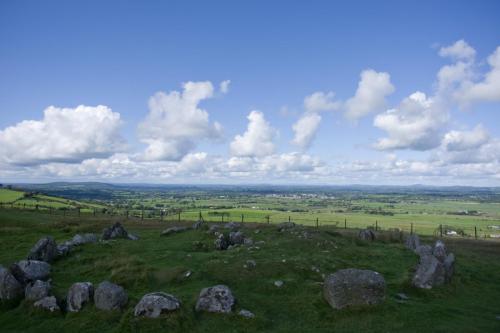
[(163, 215)]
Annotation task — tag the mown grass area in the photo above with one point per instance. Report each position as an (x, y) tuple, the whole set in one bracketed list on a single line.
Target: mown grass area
[(469, 304)]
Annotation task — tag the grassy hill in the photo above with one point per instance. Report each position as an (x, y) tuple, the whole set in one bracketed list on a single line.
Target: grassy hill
[(469, 304)]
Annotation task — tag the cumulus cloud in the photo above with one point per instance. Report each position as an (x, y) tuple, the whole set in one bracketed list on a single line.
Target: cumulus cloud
[(305, 130), (460, 50), (176, 122), (465, 140), (63, 135), (370, 96), (487, 89), (224, 86), (416, 124), (258, 139), (321, 101)]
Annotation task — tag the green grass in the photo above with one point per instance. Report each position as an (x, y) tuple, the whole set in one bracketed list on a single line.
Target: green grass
[(469, 304), (8, 196)]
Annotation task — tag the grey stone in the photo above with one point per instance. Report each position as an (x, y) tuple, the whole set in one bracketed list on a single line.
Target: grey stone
[(132, 237), (449, 267), (213, 228), (248, 241), (26, 271), (198, 225), (423, 250), (84, 239), (278, 283), (215, 299), (115, 231), (221, 242), (48, 303), (412, 242), (173, 230), (232, 225), (430, 272), (236, 238), (10, 288), (154, 304), (439, 251), (79, 294), (246, 314), (402, 297), (366, 235), (44, 250), (37, 290), (64, 249), (109, 296), (251, 264), (354, 287)]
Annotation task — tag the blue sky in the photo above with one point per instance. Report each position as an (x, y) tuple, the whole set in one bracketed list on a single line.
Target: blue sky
[(275, 54)]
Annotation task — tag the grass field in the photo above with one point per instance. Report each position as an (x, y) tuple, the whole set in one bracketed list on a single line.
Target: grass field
[(469, 304), (8, 196)]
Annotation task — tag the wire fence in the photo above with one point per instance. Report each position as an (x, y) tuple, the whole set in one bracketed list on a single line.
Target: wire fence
[(489, 231)]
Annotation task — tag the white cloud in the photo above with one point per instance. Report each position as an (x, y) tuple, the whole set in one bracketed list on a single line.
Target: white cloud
[(370, 95), (175, 122), (64, 135), (321, 101), (416, 124), (486, 90), (305, 130), (224, 86), (258, 140), (460, 50), (465, 140)]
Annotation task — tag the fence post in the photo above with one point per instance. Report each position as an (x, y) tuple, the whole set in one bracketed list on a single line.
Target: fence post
[(345, 223), (289, 218), (475, 232), (222, 217), (142, 213), (376, 225), (179, 217), (317, 223), (411, 230), (441, 230), (241, 218), (267, 217), (78, 211)]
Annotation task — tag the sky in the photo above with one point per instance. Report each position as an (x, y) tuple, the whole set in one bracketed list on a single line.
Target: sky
[(284, 92)]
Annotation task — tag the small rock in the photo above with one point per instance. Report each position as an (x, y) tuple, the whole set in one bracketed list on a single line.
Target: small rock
[(221, 243), (402, 297), (44, 250), (439, 251), (354, 287), (257, 231), (251, 264), (366, 235), (215, 299), (133, 237), (37, 290), (285, 226), (10, 288), (79, 294), (278, 283), (173, 230), (187, 274), (109, 296), (154, 304), (246, 314), (449, 267), (236, 238), (48, 303), (84, 239), (117, 231), (232, 226), (248, 241), (198, 225), (26, 271)]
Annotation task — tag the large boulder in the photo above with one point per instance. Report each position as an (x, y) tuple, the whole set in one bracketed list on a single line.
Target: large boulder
[(84, 239), (423, 250), (10, 288), (354, 287), (430, 272), (109, 296), (117, 231), (48, 303), (215, 299), (236, 238), (37, 290), (439, 251), (154, 304), (44, 250), (221, 242), (366, 235), (26, 271), (64, 249), (412, 242), (173, 230), (79, 294)]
